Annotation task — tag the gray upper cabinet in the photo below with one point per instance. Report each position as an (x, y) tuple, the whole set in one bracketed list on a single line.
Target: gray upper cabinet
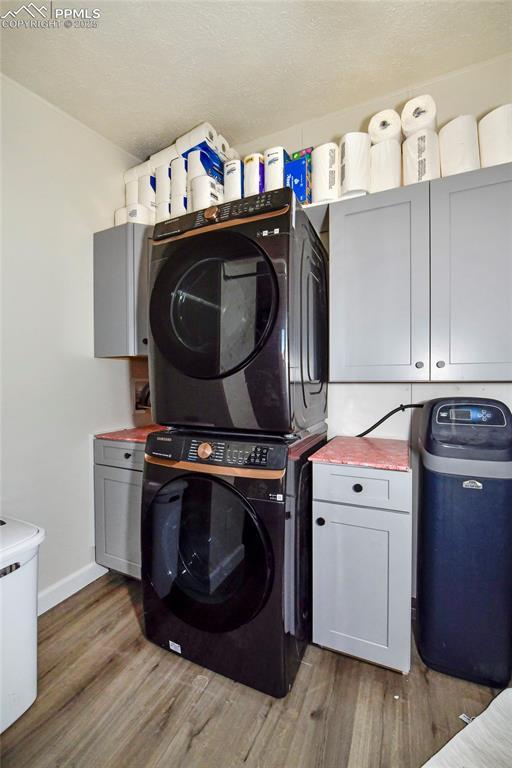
[(379, 286), (471, 251), (121, 291)]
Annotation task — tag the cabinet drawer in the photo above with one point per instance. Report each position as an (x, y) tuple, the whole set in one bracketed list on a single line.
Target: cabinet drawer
[(362, 486), (114, 453)]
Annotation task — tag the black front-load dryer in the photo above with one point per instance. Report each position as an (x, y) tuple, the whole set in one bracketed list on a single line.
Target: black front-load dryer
[(238, 318), (226, 552)]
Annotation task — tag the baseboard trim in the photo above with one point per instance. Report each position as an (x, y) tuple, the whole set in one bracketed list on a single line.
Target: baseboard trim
[(67, 586)]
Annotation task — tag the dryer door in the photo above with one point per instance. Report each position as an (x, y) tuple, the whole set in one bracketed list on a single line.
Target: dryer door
[(213, 303), (211, 560)]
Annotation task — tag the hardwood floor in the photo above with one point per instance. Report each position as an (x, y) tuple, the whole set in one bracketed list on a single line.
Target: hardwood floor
[(108, 698)]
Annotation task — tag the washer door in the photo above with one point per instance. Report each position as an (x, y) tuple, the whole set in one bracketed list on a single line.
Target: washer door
[(213, 303), (211, 561)]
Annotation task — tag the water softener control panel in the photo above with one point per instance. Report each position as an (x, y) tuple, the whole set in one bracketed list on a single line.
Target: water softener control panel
[(467, 413)]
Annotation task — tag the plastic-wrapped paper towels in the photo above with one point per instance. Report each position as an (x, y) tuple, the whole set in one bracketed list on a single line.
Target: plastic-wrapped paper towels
[(137, 214), (355, 164), (205, 192), (146, 192), (179, 186), (254, 174), (385, 165), (458, 146), (131, 179), (163, 211), (325, 172), (163, 184), (495, 134), (419, 114), (222, 147), (233, 180), (385, 125), (203, 136), (421, 157), (275, 161)]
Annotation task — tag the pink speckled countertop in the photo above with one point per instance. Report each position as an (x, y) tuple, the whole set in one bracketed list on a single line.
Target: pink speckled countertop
[(135, 435), (375, 452)]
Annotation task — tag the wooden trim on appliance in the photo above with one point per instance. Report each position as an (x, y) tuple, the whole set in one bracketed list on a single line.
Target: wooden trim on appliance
[(212, 469), (223, 225)]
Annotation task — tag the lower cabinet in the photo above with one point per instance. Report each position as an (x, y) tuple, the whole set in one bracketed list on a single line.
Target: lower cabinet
[(117, 502), (362, 563)]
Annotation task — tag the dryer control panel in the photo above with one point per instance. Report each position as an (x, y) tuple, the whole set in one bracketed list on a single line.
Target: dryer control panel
[(246, 207), (222, 451)]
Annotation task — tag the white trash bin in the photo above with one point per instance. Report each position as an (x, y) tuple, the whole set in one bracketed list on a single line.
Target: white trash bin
[(19, 548)]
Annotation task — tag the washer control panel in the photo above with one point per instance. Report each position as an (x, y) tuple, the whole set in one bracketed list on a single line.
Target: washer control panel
[(216, 450), (475, 415)]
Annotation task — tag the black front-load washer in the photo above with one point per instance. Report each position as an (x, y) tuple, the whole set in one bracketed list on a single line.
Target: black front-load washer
[(238, 318), (226, 552)]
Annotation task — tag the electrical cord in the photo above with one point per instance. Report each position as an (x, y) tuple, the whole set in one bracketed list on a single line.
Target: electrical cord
[(401, 407)]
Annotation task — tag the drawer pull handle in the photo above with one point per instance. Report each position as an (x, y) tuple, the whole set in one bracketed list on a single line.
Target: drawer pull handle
[(357, 487), (127, 455), (144, 341), (320, 521)]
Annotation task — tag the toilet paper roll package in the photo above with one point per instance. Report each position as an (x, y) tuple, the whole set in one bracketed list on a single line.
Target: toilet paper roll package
[(355, 163), (385, 125), (298, 177), (147, 189), (179, 205), (420, 157), (205, 192), (325, 172), (385, 165), (132, 192), (254, 174), (164, 157), (134, 174), (201, 163), (222, 147), (419, 114), (203, 136), (163, 184), (178, 178), (233, 180), (495, 134), (137, 214), (275, 161), (458, 146), (163, 211)]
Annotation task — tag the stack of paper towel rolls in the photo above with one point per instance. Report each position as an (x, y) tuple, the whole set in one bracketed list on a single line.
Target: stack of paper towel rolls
[(420, 150), (495, 134), (385, 130)]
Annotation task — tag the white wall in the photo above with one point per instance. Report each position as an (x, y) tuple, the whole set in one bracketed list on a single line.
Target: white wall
[(61, 183)]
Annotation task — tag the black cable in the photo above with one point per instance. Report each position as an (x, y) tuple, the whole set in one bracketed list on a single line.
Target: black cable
[(401, 407)]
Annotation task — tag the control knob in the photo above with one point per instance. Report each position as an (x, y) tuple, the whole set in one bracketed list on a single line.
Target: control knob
[(211, 213), (204, 451)]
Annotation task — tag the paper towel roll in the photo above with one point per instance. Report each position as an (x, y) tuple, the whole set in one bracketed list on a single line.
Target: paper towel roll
[(385, 165), (179, 205), (120, 216), (275, 160), (163, 184), (232, 154), (420, 154), (355, 162), (133, 174), (495, 134), (179, 178), (325, 172), (385, 125), (147, 191), (222, 147), (205, 192), (131, 192), (163, 211), (203, 133), (254, 174), (233, 180), (139, 214), (458, 146), (164, 157), (419, 114)]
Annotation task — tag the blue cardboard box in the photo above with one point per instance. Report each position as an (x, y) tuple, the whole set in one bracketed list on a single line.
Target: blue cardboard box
[(297, 175)]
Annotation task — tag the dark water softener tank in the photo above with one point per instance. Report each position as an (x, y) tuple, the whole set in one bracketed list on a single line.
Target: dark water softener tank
[(464, 606)]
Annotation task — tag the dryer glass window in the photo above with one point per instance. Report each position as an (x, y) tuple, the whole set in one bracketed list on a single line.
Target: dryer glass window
[(210, 559), (213, 304)]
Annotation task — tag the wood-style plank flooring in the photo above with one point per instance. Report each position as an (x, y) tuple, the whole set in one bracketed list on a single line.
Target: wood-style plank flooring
[(108, 698)]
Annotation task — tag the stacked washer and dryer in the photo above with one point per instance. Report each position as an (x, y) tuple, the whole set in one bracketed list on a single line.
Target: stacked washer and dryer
[(238, 372)]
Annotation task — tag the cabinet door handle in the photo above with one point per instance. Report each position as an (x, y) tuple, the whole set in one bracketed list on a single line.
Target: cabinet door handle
[(127, 455), (357, 487), (419, 364), (320, 521), (144, 341), (440, 364)]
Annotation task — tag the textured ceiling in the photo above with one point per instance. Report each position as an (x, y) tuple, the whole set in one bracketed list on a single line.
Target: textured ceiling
[(152, 70)]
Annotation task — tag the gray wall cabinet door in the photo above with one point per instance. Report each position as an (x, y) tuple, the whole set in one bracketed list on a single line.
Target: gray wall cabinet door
[(120, 291), (118, 494), (362, 583), (379, 286), (471, 244)]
